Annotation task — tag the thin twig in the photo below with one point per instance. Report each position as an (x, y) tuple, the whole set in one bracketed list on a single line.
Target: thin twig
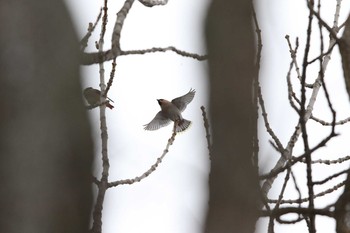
[(297, 210), (324, 123), (331, 177), (91, 28), (94, 58), (111, 77), (170, 48), (333, 31), (151, 169), (266, 121), (329, 162), (312, 226), (306, 199), (293, 55), (255, 128), (291, 94), (280, 197), (207, 133)]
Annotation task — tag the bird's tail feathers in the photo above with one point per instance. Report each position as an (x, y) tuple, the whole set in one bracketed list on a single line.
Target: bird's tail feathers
[(182, 125), (109, 105)]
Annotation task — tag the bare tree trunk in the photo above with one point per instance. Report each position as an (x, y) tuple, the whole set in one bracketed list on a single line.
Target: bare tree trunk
[(342, 213), (45, 144), (233, 180), (344, 49)]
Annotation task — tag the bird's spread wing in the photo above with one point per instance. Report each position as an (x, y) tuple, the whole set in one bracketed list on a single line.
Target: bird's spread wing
[(158, 121), (182, 101)]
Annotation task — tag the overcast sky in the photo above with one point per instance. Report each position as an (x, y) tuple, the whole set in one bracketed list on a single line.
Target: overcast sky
[(277, 19), (173, 199)]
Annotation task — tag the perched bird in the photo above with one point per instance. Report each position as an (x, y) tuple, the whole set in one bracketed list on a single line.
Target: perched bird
[(92, 96), (171, 111)]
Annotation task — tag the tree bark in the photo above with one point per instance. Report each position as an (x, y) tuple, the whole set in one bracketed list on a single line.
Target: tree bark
[(344, 49), (233, 180), (45, 143), (342, 213)]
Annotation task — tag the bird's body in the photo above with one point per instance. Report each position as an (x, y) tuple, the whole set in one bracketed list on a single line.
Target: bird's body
[(92, 96), (171, 111)]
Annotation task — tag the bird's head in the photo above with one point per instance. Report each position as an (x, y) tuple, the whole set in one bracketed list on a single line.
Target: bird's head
[(160, 101)]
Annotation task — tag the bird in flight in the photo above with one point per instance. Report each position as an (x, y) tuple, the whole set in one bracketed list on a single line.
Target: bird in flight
[(171, 111)]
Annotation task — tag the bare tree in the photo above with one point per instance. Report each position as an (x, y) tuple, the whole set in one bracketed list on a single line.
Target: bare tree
[(101, 57), (46, 149), (303, 95), (236, 200)]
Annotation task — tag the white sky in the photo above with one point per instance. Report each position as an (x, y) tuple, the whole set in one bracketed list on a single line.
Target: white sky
[(174, 197), (277, 19)]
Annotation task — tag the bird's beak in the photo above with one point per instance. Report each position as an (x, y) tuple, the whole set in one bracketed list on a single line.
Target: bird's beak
[(158, 101)]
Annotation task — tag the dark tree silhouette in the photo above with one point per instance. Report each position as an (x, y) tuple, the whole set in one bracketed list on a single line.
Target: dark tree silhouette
[(233, 180), (45, 144)]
